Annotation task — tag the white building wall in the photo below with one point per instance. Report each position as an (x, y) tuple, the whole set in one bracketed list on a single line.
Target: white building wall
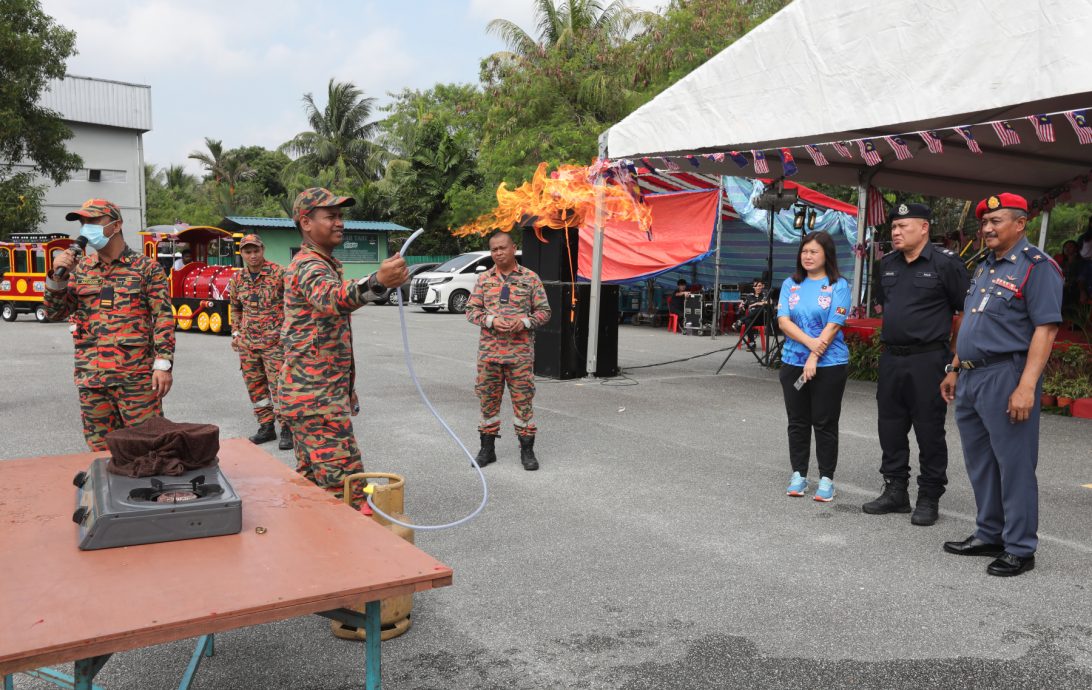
[(108, 120), (117, 155)]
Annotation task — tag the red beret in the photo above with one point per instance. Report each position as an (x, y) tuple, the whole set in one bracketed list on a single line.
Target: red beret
[(1000, 201)]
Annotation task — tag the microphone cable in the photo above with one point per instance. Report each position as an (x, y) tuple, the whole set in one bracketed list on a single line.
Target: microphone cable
[(428, 403)]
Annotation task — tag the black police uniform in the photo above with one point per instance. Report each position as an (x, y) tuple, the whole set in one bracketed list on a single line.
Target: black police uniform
[(919, 300)]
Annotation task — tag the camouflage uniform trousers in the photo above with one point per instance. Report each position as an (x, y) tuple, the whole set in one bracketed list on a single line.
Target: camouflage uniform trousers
[(113, 407), (520, 377), (326, 452), (261, 370)]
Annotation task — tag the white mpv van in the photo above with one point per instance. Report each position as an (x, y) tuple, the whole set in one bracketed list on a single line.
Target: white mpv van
[(448, 285)]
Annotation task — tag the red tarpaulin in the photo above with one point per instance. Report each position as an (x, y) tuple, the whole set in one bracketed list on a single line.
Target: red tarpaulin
[(682, 230)]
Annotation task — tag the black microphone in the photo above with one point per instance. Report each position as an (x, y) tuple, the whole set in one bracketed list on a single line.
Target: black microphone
[(61, 273)]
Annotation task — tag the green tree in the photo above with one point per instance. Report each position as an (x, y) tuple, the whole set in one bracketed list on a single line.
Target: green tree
[(341, 131), (563, 25), (34, 50), (267, 166)]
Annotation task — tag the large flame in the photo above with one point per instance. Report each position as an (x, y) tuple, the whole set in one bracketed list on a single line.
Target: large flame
[(561, 200)]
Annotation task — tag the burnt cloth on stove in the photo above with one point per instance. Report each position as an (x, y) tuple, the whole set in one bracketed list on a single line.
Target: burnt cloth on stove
[(162, 447)]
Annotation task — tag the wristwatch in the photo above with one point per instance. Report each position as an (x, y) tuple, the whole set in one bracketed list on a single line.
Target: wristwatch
[(370, 283), (949, 368)]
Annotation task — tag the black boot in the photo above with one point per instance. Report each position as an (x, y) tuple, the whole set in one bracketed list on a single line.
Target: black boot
[(894, 499), (925, 512), (265, 433), (488, 452), (527, 453), (287, 442)]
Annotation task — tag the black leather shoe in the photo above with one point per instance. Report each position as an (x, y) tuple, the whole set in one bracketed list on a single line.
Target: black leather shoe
[(266, 433), (925, 512), (972, 546), (1008, 565), (286, 442), (487, 455), (527, 453), (894, 499)]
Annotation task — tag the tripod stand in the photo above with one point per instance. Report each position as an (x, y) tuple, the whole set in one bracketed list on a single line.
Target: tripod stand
[(773, 199)]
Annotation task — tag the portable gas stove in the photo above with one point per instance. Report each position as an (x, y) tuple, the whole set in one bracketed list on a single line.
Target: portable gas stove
[(113, 510)]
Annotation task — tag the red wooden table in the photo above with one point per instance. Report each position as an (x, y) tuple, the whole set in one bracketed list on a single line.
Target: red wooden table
[(315, 555)]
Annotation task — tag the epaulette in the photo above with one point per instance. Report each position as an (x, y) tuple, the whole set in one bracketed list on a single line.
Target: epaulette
[(1037, 256)]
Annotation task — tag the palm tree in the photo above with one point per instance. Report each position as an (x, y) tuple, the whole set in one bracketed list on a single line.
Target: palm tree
[(561, 24), (340, 132), (213, 160), (176, 177)]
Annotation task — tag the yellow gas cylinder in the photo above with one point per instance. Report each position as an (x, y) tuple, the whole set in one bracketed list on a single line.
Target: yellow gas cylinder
[(389, 496)]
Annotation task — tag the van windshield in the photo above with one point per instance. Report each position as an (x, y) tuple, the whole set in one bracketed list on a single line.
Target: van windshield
[(457, 264)]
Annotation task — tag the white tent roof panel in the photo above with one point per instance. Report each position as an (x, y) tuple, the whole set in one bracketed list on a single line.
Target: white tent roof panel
[(831, 70)]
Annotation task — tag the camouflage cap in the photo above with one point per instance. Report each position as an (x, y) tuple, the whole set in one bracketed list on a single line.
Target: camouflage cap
[(96, 208), (317, 197), (251, 239)]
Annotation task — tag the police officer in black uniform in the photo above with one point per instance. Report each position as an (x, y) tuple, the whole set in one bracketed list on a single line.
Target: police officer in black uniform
[(921, 287)]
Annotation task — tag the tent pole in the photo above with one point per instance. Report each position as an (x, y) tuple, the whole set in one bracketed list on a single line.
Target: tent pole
[(716, 266), (597, 268), (865, 176), (1043, 225)]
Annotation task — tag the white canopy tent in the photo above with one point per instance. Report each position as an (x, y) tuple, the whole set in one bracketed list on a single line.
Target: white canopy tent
[(824, 71)]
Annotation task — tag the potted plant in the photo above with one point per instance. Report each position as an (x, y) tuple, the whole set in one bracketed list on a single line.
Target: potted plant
[(1052, 383), (1081, 391)]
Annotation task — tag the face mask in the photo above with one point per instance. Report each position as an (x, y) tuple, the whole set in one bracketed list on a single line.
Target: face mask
[(95, 235)]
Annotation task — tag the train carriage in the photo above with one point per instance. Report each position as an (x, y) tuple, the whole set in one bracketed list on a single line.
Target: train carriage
[(25, 261), (198, 289)]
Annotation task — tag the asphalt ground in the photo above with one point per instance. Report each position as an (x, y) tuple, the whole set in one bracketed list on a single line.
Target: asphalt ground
[(655, 547)]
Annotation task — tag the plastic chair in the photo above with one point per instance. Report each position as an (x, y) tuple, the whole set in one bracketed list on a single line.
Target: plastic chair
[(761, 330)]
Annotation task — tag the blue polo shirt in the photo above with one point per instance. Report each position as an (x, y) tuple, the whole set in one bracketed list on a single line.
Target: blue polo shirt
[(1009, 296), (811, 305)]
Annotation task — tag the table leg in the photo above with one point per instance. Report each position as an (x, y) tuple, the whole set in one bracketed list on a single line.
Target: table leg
[(204, 648), (374, 678)]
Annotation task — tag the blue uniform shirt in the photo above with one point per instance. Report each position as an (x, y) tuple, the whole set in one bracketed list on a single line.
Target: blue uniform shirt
[(1008, 298), (811, 305)]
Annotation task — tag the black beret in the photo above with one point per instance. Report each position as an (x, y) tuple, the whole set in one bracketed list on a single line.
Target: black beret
[(910, 211)]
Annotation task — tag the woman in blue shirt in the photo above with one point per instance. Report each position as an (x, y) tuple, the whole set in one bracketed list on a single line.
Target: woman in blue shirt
[(812, 309)]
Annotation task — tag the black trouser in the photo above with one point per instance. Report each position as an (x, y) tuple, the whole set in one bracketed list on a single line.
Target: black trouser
[(818, 405), (909, 395)]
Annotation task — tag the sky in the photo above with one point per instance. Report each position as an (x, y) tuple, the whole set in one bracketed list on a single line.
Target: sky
[(237, 70)]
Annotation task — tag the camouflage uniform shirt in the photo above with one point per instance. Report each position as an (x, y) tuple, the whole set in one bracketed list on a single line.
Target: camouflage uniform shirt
[(257, 306), (526, 301), (121, 318), (319, 371)]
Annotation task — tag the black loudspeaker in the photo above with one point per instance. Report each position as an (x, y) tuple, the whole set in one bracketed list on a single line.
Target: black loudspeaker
[(554, 260), (561, 345)]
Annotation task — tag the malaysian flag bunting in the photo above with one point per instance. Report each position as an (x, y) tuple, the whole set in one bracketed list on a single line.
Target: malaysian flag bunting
[(788, 165), (1081, 125), (965, 132), (1006, 133), (648, 164), (693, 160), (1044, 128), (932, 141), (869, 152), (817, 156), (902, 151), (738, 158), (842, 149), (761, 166), (718, 156), (875, 212), (671, 165)]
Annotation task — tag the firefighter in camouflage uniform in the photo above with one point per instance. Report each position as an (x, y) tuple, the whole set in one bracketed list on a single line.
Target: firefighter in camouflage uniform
[(122, 326), (508, 303), (257, 315), (316, 393)]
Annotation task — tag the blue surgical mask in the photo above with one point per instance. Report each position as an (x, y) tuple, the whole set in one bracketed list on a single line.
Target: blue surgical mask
[(95, 235)]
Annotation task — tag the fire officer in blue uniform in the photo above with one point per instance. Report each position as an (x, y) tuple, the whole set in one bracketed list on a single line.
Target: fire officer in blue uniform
[(921, 287), (1010, 318)]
